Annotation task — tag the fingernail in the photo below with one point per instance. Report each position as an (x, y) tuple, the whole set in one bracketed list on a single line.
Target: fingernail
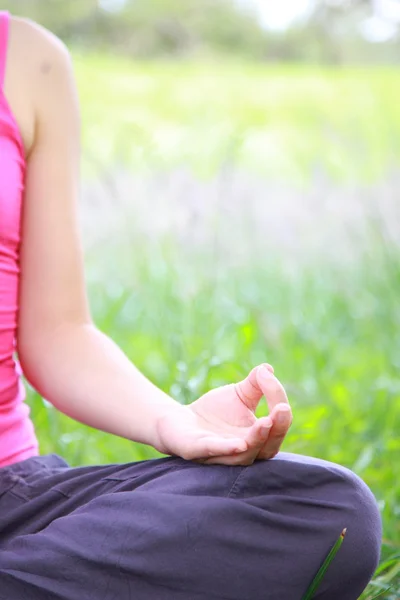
[(283, 415), (266, 426)]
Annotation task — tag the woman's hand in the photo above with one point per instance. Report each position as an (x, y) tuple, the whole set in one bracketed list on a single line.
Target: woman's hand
[(221, 427)]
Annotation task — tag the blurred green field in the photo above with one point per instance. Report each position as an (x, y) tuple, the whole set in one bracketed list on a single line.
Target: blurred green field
[(191, 320), (283, 121)]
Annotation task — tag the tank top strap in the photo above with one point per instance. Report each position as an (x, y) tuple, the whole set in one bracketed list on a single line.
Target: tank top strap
[(4, 25)]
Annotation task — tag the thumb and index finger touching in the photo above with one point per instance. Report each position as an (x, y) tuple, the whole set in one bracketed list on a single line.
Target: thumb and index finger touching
[(260, 382)]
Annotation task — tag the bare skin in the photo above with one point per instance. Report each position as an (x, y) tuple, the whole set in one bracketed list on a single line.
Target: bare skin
[(63, 355)]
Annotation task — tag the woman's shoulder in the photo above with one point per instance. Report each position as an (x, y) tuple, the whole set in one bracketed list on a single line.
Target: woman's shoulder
[(34, 44), (29, 32), (37, 62)]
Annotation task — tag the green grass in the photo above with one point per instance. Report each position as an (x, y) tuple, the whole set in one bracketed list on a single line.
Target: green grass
[(192, 320), (324, 567)]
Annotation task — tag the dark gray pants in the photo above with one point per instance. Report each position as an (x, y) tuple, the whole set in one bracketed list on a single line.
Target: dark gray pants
[(174, 530)]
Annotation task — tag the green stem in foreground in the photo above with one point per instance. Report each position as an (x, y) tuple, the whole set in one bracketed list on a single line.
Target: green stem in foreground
[(321, 573)]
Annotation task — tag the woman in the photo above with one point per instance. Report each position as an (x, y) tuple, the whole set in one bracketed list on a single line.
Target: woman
[(168, 529)]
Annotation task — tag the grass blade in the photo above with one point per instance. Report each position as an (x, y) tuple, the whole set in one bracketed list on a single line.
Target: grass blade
[(321, 573), (382, 592)]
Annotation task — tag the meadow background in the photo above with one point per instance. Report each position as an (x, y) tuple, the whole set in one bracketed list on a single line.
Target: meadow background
[(237, 211)]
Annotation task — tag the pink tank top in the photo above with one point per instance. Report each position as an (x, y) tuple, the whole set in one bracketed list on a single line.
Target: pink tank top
[(17, 437)]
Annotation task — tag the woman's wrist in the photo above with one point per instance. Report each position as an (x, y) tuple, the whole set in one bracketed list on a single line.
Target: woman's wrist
[(150, 415), (168, 413)]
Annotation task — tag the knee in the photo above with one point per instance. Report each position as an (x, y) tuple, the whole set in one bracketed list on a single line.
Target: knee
[(337, 487), (358, 558), (364, 515), (317, 500)]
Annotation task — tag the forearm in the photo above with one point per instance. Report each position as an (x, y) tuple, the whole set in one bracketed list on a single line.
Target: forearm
[(86, 376)]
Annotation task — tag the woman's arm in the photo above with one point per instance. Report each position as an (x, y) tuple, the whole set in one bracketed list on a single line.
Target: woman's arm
[(72, 364), (63, 355)]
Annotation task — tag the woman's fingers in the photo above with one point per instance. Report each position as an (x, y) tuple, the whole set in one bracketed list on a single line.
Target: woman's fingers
[(279, 410), (204, 447), (255, 440), (259, 434), (282, 419), (271, 387), (260, 441), (263, 440), (249, 389)]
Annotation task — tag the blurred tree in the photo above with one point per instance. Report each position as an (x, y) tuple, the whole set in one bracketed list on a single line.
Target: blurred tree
[(336, 27), (182, 26), (149, 27), (178, 28), (53, 13)]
